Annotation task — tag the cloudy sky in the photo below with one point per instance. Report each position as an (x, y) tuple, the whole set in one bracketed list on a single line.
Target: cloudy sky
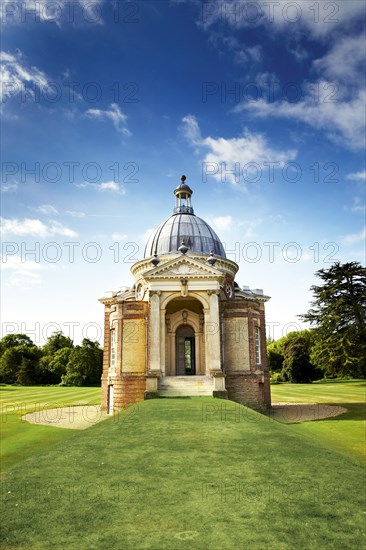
[(106, 103)]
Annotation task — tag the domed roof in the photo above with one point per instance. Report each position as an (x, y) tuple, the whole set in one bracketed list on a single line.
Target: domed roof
[(185, 226), (197, 235)]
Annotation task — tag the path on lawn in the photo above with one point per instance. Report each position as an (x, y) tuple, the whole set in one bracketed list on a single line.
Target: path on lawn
[(75, 417), (291, 413), (82, 417)]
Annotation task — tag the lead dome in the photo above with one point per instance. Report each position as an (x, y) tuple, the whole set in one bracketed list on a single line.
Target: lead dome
[(183, 225)]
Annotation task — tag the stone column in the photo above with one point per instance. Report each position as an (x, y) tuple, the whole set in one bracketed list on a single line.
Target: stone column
[(154, 331), (106, 357), (213, 333), (163, 333), (207, 326), (266, 376), (119, 340)]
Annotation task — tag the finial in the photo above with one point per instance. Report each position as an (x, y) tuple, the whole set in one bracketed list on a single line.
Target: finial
[(155, 261), (183, 248), (212, 260), (183, 178)]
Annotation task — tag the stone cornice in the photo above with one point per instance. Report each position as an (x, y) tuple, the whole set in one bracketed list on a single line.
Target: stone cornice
[(253, 297), (222, 266)]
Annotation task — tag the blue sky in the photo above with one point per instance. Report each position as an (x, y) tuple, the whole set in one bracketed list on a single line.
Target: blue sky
[(105, 104)]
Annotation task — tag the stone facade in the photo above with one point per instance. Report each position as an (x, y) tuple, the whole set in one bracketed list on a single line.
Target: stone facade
[(185, 328)]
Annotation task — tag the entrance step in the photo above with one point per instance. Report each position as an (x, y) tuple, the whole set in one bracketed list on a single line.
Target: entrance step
[(181, 386)]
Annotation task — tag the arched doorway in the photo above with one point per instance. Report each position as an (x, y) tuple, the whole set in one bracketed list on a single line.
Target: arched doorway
[(185, 354), (185, 346)]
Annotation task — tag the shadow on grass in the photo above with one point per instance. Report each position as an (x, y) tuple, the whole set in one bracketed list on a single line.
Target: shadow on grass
[(292, 413), (355, 411)]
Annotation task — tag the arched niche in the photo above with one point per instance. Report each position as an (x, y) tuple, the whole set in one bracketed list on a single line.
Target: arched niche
[(176, 322)]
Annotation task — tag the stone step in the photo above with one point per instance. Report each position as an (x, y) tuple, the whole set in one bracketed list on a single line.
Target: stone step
[(190, 386), (185, 392), (185, 385)]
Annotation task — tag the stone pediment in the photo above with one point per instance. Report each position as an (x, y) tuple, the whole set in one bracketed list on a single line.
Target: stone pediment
[(183, 268)]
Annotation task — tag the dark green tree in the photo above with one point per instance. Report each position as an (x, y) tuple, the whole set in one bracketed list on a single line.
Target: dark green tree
[(56, 341), (85, 364), (11, 362), (338, 312), (13, 340), (55, 356), (276, 348), (297, 366), (26, 374), (275, 358), (53, 367)]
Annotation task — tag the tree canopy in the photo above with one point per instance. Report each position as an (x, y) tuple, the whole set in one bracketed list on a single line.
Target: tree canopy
[(290, 357), (338, 313), (58, 361)]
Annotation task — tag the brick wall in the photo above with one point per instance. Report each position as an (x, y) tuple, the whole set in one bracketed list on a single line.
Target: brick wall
[(129, 381), (129, 389), (246, 389), (106, 356)]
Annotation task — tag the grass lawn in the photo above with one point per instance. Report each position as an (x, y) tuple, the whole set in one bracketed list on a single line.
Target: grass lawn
[(20, 440), (345, 433), (188, 473)]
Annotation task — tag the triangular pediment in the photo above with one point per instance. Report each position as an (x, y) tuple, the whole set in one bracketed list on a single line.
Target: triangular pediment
[(183, 267)]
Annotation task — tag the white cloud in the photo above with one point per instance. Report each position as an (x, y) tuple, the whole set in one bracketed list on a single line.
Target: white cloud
[(355, 237), (345, 61), (9, 187), (105, 186), (16, 77), (358, 176), (250, 225), (34, 228), (22, 273), (109, 186), (191, 130), (238, 154), (144, 237), (119, 236), (359, 205), (343, 120), (47, 11), (75, 214), (318, 19), (238, 51), (299, 53), (46, 209), (25, 279), (222, 223), (17, 264), (114, 114)]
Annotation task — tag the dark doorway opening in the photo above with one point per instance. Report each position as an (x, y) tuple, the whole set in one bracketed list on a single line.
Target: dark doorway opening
[(189, 355), (185, 351)]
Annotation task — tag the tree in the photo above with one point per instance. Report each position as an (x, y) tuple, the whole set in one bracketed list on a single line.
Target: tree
[(276, 348), (56, 354), (25, 375), (11, 363), (297, 366), (85, 364), (56, 341), (338, 312), (13, 340), (275, 355), (53, 367)]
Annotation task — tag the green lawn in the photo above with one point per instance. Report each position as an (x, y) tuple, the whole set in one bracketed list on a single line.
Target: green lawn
[(345, 433), (20, 440), (197, 473)]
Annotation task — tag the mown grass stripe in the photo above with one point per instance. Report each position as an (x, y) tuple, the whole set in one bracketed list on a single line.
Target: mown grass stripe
[(166, 476)]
